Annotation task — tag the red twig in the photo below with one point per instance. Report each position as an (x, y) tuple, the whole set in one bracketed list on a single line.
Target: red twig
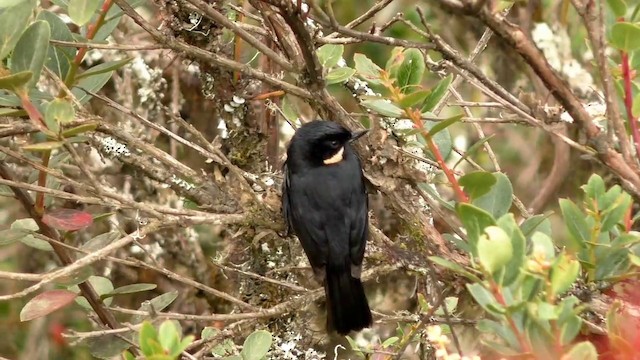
[(628, 101)]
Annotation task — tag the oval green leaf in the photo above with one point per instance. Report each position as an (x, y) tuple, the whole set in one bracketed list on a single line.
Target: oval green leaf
[(31, 51)]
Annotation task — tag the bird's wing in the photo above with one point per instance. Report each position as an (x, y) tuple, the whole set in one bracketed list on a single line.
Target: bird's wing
[(358, 223), (286, 206)]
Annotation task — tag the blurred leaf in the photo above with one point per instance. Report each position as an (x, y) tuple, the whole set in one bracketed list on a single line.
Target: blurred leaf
[(12, 112), (581, 351), (564, 273), (58, 112), (339, 75), (443, 124), (477, 183), (536, 223), (9, 3), (148, 344), (390, 341), (475, 220), (46, 303), (13, 21), (625, 36), (619, 7), (484, 298), (542, 245), (10, 236), (81, 11), (494, 249), (615, 213), (256, 345), (102, 286), (99, 241), (76, 277), (208, 332), (472, 149), (447, 264), (80, 129), (330, 54), (367, 69), (576, 223), (437, 93), (43, 146), (158, 303), (636, 105), (104, 68), (411, 70), (31, 51), (58, 58), (498, 200), (67, 219), (112, 19), (594, 188), (14, 82), (130, 289), (508, 223), (91, 84), (383, 107), (29, 226), (168, 335), (411, 99), (181, 346), (393, 62)]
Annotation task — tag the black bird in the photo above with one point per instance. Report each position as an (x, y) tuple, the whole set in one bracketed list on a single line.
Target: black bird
[(324, 201)]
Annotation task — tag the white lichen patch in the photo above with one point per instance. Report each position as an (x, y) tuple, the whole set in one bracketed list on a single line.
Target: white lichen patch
[(182, 183), (114, 149)]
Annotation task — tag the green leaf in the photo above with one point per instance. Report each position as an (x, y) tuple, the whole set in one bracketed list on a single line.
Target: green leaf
[(484, 298), (92, 84), (619, 7), (148, 343), (475, 220), (11, 112), (615, 214), (43, 146), (58, 112), (635, 109), (472, 149), (594, 188), (494, 249), (442, 139), (542, 245), (158, 303), (13, 21), (9, 3), (508, 223), (576, 223), (181, 346), (10, 236), (81, 11), (498, 200), (390, 341), (102, 286), (14, 82), (168, 335), (367, 69), (437, 93), (411, 70), (58, 58), (416, 97), (447, 264), (104, 68), (31, 51), (107, 346), (582, 351), (477, 183), (441, 125), (330, 54), (256, 345), (625, 36), (339, 75), (382, 107), (564, 273), (76, 277), (130, 289), (536, 223), (80, 129)]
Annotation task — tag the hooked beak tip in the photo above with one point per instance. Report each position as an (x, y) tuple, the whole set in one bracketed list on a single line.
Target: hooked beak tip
[(357, 134)]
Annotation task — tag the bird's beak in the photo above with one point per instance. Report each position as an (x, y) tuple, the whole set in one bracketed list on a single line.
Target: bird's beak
[(357, 134)]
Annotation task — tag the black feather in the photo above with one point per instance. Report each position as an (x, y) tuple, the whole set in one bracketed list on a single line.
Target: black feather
[(326, 206)]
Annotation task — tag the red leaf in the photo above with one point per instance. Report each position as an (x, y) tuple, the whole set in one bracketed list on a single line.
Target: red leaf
[(46, 303), (68, 219)]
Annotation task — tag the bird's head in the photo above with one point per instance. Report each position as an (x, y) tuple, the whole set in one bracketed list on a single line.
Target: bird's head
[(321, 143)]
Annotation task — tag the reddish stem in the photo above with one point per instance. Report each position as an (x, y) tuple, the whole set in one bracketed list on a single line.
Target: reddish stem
[(628, 100), (526, 347)]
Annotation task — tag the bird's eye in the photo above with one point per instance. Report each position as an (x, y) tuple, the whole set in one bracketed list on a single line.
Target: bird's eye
[(333, 143)]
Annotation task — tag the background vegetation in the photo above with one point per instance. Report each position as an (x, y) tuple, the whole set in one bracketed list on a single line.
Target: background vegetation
[(140, 152)]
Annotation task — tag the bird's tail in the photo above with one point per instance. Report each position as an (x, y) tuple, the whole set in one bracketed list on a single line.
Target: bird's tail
[(347, 306)]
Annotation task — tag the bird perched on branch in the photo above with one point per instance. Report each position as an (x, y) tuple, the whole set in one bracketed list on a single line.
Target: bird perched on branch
[(324, 202)]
